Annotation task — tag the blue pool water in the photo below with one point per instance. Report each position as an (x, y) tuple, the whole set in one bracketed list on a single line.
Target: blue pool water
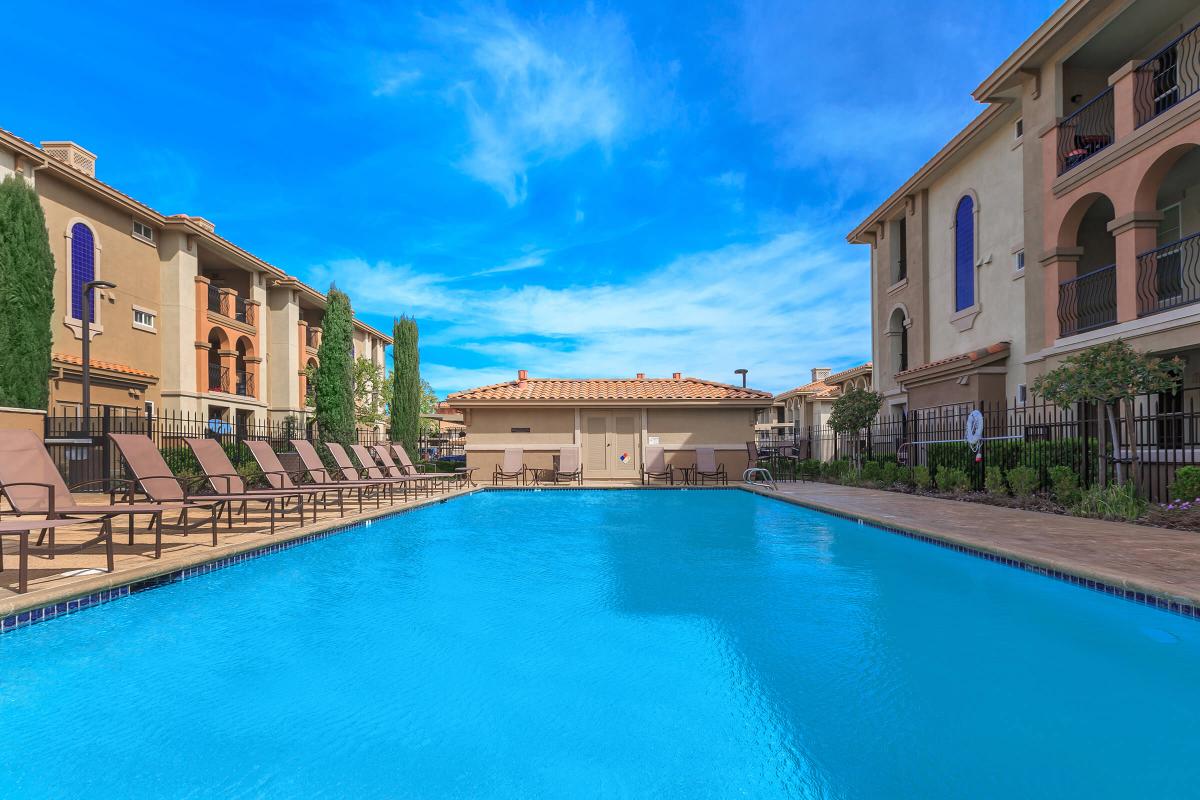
[(606, 644)]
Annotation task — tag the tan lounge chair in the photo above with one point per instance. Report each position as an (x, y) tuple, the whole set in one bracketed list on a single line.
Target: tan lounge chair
[(225, 480), (22, 528), (410, 469), (511, 468), (569, 467), (707, 468), (281, 480), (319, 474), (352, 473), (374, 471), (655, 467)]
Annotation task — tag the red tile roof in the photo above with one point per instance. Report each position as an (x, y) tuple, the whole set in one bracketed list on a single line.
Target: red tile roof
[(974, 355), (610, 389), (111, 366), (838, 377)]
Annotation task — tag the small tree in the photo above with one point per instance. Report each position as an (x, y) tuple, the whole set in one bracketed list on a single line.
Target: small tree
[(26, 297), (405, 406), (335, 373), (370, 392), (429, 403), (854, 411), (1111, 374)]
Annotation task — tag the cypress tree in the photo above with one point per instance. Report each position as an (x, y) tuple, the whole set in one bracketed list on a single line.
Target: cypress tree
[(335, 373), (26, 297), (405, 407)]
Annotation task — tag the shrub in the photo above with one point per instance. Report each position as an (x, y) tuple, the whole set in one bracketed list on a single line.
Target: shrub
[(952, 479), (1186, 485), (1023, 481), (809, 469), (1065, 484), (921, 478), (1116, 502), (834, 470), (891, 474), (872, 471), (993, 481)]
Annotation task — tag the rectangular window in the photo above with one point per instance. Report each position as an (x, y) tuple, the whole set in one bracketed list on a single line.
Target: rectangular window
[(143, 319), (1019, 129), (143, 231), (1019, 260)]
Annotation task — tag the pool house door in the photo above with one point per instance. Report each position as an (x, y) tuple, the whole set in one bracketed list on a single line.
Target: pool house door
[(610, 444)]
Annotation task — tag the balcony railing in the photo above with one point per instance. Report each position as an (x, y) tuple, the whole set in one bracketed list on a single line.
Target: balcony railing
[(245, 384), (312, 339), (1167, 77), (229, 305), (1088, 302), (216, 302), (218, 378), (1169, 276), (1086, 132), (243, 310)]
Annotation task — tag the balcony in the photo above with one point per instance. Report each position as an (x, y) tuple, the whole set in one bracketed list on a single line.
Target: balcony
[(1169, 276), (218, 378), (232, 306), (1088, 302), (1167, 77), (312, 338), (244, 386), (1086, 132)]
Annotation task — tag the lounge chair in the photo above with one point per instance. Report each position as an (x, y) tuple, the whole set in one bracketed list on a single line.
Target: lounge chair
[(511, 468), (374, 471), (655, 467), (569, 467), (319, 474), (282, 480), (22, 529), (33, 486), (707, 468), (410, 469), (394, 470), (225, 480), (753, 457), (352, 473)]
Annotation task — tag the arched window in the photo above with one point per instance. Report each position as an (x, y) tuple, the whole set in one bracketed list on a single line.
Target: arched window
[(83, 268), (964, 254)]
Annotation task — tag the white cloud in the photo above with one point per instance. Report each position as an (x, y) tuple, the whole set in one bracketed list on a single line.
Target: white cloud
[(395, 80), (539, 92), (533, 258), (777, 308)]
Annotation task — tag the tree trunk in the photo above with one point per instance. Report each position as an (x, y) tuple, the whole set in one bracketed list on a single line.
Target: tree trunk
[(1127, 408), (1116, 442)]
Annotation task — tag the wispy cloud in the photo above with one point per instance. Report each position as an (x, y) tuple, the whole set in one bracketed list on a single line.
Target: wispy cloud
[(775, 307), (531, 259), (395, 80)]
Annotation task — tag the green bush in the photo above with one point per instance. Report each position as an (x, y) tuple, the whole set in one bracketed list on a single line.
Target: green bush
[(872, 471), (809, 469), (891, 474), (921, 477), (835, 470), (1115, 502), (1065, 485), (952, 479), (993, 481), (1186, 485), (1023, 481)]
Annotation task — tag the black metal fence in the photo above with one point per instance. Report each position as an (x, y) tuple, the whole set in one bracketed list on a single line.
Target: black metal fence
[(1165, 436), (1086, 132), (1088, 302)]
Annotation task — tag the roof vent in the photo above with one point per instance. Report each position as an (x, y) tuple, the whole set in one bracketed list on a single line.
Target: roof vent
[(522, 376), (820, 373), (72, 155), (641, 376), (677, 375)]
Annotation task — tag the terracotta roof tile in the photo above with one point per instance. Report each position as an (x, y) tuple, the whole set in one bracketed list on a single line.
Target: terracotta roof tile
[(974, 355), (610, 389), (111, 366)]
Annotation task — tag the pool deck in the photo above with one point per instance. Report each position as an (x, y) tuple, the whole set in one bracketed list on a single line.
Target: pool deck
[(1157, 561)]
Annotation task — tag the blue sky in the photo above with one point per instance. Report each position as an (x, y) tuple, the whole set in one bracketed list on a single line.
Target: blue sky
[(574, 189)]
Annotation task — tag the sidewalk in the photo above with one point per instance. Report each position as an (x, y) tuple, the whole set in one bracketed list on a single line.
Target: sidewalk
[(1157, 561)]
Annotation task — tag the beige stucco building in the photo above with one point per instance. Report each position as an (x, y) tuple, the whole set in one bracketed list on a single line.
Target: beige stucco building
[(807, 408), (1066, 214), (195, 324), (613, 420)]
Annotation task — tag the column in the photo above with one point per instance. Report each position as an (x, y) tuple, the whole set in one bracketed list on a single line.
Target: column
[(1059, 265), (1134, 233)]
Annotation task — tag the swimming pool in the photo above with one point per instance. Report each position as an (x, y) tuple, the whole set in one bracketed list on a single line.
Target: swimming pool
[(606, 644)]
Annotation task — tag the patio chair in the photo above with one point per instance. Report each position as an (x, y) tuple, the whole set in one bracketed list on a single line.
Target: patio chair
[(22, 529), (655, 468), (707, 468), (511, 468), (569, 466), (319, 474), (408, 468), (373, 470), (393, 470), (282, 480), (225, 480), (754, 457), (351, 473)]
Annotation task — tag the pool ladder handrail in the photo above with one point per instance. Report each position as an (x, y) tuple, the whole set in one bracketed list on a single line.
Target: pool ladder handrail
[(766, 481)]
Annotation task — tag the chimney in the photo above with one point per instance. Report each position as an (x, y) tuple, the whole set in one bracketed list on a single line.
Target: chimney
[(72, 155), (677, 375), (641, 376), (522, 376), (820, 373)]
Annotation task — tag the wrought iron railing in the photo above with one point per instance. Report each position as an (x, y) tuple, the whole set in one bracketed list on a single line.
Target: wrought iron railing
[(1088, 302), (312, 338), (243, 310), (216, 302), (1167, 77), (1086, 132), (218, 378), (245, 384), (1169, 276)]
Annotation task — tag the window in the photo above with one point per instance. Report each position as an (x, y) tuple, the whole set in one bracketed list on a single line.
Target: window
[(1019, 261), (1019, 129), (83, 268), (900, 232), (964, 254), (143, 319), (143, 231)]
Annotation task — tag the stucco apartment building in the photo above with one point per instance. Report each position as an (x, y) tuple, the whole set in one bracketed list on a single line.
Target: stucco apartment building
[(1064, 215), (807, 408), (612, 420), (195, 324)]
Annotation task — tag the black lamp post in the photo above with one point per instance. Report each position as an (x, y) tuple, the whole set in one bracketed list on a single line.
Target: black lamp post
[(86, 302), (742, 372)]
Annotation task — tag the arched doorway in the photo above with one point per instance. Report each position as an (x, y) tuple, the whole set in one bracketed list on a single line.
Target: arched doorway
[(1168, 267), (1088, 300)]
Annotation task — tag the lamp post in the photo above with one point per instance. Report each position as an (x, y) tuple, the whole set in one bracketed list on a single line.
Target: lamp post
[(742, 372), (86, 302)]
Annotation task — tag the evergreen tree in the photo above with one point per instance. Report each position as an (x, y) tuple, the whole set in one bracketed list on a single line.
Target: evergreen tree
[(335, 373), (405, 418), (26, 297)]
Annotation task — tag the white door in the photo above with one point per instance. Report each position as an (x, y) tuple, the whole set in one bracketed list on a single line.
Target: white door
[(610, 444)]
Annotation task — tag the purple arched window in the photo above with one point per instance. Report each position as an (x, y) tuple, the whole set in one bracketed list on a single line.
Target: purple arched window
[(83, 268), (964, 254)]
